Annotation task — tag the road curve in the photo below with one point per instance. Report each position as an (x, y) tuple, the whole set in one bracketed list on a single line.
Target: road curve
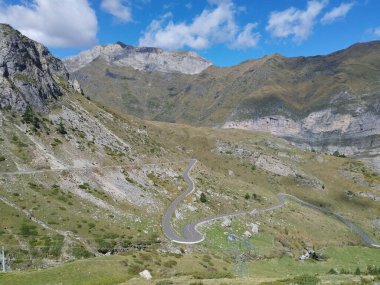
[(192, 235)]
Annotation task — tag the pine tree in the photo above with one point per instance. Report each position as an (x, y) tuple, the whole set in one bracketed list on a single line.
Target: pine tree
[(203, 198)]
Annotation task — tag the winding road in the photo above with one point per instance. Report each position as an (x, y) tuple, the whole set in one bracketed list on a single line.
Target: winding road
[(192, 235)]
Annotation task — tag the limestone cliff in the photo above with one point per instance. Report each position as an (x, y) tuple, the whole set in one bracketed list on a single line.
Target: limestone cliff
[(29, 74)]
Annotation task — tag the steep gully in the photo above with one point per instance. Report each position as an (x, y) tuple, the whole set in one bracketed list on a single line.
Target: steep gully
[(192, 235)]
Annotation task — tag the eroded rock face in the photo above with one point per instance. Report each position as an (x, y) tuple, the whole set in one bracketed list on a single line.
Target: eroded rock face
[(29, 74), (141, 58), (325, 129)]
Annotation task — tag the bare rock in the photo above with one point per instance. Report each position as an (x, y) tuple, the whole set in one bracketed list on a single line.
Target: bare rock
[(146, 274), (29, 74), (141, 58), (226, 223)]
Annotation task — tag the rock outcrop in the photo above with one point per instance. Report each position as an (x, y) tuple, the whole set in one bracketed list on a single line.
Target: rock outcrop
[(29, 74), (348, 133), (141, 58)]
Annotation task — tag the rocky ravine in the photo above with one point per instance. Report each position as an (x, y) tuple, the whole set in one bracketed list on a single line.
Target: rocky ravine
[(29, 76), (141, 58)]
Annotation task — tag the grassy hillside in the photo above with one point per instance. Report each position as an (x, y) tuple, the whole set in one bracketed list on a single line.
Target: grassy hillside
[(83, 181), (200, 269)]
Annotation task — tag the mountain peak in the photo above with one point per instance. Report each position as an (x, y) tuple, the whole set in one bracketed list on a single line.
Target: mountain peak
[(123, 45), (29, 74), (150, 59)]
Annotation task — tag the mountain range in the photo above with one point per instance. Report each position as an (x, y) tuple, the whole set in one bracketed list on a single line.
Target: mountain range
[(328, 103)]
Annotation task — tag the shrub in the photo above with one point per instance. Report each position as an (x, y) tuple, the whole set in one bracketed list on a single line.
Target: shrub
[(299, 280), (2, 158), (81, 252), (306, 280), (247, 196), (28, 230), (332, 271), (203, 198), (29, 118), (61, 129), (373, 270), (84, 186), (337, 154)]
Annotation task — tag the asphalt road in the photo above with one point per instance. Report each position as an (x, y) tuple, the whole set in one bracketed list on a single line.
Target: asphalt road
[(191, 234)]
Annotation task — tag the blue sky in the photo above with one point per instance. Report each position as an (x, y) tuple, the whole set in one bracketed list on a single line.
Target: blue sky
[(223, 31)]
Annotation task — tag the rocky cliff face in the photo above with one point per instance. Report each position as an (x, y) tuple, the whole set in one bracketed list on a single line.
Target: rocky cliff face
[(349, 125), (29, 74), (322, 130), (141, 58)]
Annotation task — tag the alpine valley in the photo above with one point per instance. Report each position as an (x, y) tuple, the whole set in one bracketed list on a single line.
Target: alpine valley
[(135, 165)]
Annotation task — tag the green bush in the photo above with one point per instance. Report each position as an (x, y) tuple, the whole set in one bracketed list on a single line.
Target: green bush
[(30, 118), (337, 154), (28, 230), (84, 186), (15, 139), (373, 270), (332, 271), (203, 198), (61, 129), (299, 280), (81, 252)]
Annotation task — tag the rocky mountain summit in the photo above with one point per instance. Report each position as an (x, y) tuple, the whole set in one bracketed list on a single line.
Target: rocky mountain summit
[(141, 58), (29, 74)]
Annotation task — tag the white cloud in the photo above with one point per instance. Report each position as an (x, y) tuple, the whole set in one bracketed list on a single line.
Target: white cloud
[(375, 31), (65, 23), (246, 38), (295, 22), (337, 13), (118, 9), (212, 26)]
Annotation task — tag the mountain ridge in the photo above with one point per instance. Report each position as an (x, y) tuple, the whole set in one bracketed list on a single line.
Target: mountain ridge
[(149, 59), (323, 90)]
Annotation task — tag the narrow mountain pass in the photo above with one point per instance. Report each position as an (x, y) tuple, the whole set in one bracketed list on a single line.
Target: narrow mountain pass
[(192, 235)]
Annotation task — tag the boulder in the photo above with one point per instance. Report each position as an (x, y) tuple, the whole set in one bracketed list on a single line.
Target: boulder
[(247, 234), (146, 274), (226, 223)]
